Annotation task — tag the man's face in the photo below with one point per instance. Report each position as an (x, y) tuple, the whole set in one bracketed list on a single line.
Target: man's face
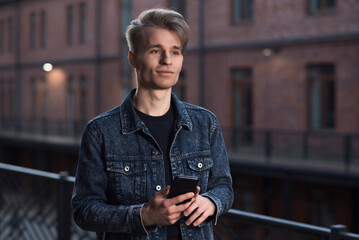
[(159, 59)]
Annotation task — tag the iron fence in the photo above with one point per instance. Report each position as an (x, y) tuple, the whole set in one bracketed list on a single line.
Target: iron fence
[(36, 205), (317, 146), (266, 145), (43, 126)]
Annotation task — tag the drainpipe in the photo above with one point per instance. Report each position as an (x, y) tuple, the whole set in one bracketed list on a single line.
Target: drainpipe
[(17, 67), (98, 56), (201, 65)]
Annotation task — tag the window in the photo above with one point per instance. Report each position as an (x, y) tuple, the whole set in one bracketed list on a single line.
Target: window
[(242, 105), (34, 104), (84, 98), (320, 5), (38, 30), (242, 97), (321, 208), (83, 23), (2, 99), (43, 97), (242, 10), (43, 29), (71, 105), (178, 5), (33, 31), (2, 36), (322, 96), (180, 88), (11, 98), (10, 34), (70, 25)]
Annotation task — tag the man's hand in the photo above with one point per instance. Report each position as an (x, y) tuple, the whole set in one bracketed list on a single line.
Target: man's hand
[(161, 211), (201, 208)]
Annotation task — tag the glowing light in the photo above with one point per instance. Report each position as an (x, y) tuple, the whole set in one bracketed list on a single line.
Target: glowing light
[(267, 52), (47, 67)]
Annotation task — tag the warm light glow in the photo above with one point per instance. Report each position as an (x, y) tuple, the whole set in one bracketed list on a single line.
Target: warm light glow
[(47, 67), (267, 52)]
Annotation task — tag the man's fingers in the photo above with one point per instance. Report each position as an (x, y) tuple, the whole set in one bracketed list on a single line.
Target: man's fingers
[(181, 198), (201, 219)]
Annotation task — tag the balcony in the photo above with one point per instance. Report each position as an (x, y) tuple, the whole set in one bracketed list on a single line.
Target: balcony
[(60, 133), (36, 205), (324, 150), (311, 150)]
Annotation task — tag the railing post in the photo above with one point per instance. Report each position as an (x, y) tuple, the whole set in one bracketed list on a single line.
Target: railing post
[(268, 147), (63, 208), (336, 231), (347, 151)]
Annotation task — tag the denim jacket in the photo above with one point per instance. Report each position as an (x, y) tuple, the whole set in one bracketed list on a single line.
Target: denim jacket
[(120, 168)]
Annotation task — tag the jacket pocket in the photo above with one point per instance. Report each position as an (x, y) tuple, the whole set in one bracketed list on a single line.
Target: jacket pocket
[(200, 167), (128, 179)]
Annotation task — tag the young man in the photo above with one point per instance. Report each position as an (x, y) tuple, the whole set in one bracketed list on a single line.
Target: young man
[(130, 155)]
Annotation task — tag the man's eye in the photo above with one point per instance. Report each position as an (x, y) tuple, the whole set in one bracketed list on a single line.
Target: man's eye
[(155, 51), (176, 53)]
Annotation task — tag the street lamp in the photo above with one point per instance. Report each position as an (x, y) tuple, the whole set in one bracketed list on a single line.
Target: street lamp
[(47, 67)]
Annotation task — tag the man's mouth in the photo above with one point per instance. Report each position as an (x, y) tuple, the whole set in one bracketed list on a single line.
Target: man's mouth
[(164, 72)]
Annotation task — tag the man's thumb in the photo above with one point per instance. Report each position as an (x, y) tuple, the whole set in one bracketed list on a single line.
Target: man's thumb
[(164, 192)]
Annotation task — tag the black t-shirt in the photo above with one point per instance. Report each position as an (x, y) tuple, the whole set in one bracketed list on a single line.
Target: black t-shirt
[(162, 129)]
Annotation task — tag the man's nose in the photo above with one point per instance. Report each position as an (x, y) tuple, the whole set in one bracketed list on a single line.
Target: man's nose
[(166, 58)]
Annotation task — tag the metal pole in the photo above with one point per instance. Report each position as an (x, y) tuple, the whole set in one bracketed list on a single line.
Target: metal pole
[(98, 55), (63, 207), (336, 231), (201, 60), (16, 109)]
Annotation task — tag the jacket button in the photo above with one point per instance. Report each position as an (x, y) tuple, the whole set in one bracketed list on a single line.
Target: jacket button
[(154, 152), (158, 188), (127, 168), (200, 165)]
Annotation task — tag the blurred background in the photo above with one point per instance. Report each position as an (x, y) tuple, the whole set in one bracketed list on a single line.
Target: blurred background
[(282, 77)]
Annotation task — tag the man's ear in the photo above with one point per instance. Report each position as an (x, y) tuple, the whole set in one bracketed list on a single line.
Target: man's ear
[(132, 59)]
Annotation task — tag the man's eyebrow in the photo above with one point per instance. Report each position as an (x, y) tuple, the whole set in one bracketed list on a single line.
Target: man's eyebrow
[(160, 46)]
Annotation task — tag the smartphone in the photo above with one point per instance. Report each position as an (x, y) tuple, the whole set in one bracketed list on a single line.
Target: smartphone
[(182, 185)]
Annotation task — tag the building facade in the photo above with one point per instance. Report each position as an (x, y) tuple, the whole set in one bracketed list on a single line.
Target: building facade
[(281, 76)]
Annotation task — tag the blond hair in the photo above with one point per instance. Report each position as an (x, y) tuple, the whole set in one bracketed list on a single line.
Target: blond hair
[(162, 18)]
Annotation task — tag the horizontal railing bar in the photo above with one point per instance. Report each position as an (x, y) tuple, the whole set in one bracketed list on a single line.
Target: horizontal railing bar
[(34, 172), (248, 217), (350, 236), (277, 222)]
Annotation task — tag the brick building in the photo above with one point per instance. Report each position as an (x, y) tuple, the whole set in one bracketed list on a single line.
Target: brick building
[(282, 77)]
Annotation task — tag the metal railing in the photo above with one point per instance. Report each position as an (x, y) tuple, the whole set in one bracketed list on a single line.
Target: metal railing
[(268, 145), (43, 126), (247, 144), (36, 205)]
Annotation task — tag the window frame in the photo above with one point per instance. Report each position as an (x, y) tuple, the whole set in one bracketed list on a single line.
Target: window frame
[(322, 8), (323, 79), (246, 11), (70, 25), (83, 20)]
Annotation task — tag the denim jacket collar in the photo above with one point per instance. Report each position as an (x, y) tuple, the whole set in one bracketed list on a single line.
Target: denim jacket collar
[(131, 122)]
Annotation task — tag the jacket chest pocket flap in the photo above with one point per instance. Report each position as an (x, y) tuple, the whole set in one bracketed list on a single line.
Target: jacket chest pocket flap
[(128, 179), (200, 164)]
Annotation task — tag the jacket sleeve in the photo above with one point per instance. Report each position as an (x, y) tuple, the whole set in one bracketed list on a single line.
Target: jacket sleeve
[(91, 210), (219, 189)]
